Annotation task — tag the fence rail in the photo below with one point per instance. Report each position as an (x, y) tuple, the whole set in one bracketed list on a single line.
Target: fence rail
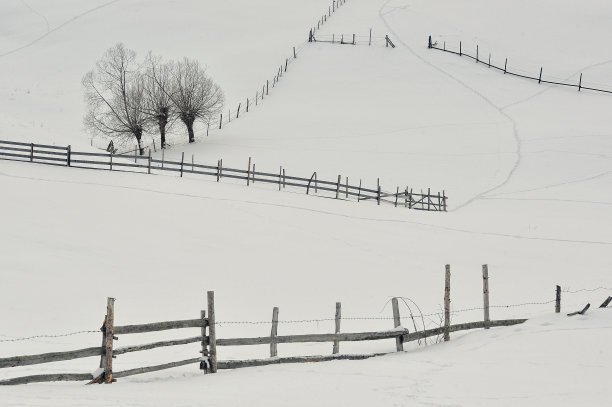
[(431, 44), (209, 342), (64, 156)]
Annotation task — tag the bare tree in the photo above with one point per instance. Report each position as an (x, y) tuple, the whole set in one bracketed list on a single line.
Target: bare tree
[(158, 105), (195, 95), (114, 94)]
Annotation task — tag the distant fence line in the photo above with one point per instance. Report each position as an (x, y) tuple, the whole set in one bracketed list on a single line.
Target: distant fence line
[(260, 94), (487, 61), (65, 156)]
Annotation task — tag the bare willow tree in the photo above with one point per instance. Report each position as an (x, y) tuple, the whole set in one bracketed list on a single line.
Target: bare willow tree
[(195, 95), (159, 87), (115, 97)]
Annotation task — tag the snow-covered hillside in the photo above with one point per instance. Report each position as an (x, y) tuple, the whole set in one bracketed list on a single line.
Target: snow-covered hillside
[(527, 167)]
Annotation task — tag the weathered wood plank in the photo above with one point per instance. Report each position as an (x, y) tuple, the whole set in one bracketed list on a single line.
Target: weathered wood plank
[(235, 364), (447, 303), (337, 320), (148, 369), (109, 335), (399, 343), (461, 327), (485, 293), (274, 333), (25, 360), (348, 337), (158, 326), (153, 345), (41, 378)]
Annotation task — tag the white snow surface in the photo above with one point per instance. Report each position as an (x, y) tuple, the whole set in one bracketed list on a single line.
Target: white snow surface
[(527, 168)]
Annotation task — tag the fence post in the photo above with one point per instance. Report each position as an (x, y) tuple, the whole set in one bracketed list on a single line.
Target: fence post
[(346, 187), (204, 365), (68, 158), (338, 187), (273, 332), (218, 169), (238, 111), (428, 199), (353, 39), (284, 179), (149, 166), (249, 172), (253, 174), (359, 192), (476, 53), (558, 300), (399, 341), (182, 160), (447, 304), (286, 62), (280, 175), (444, 200), (294, 54), (429, 42), (580, 82), (396, 195), (337, 330), (370, 42), (212, 336), (267, 87), (485, 294), (540, 78), (31, 152), (378, 195), (460, 48), (220, 120), (489, 60), (505, 65), (108, 340)]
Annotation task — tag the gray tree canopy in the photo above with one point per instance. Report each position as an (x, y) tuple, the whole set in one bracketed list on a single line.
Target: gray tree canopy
[(115, 96)]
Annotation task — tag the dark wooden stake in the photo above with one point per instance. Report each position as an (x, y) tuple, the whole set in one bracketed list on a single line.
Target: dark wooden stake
[(370, 42), (558, 300), (31, 152), (212, 335), (294, 54), (460, 48), (149, 164), (182, 161), (68, 158), (540, 78), (378, 188), (505, 65), (220, 120), (447, 303), (429, 42), (606, 302), (338, 187), (249, 172), (204, 365), (580, 83)]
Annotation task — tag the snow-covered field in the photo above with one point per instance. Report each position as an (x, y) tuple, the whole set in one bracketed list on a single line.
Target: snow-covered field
[(527, 168)]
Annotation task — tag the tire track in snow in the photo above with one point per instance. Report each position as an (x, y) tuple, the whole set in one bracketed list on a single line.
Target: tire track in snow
[(318, 211), (65, 23), (517, 139)]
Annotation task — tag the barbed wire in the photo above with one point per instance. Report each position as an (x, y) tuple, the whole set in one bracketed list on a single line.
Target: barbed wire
[(27, 338), (586, 290)]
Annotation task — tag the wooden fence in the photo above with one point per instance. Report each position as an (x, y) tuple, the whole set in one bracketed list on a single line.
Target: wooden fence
[(487, 61), (339, 189), (208, 341)]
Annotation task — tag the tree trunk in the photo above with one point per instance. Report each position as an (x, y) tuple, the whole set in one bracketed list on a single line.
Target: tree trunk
[(139, 140), (189, 124), (162, 132)]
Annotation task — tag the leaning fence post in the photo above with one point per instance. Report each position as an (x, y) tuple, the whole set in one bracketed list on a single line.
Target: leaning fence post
[(580, 83), (108, 340), (399, 341), (540, 78), (447, 304), (238, 111), (337, 330), (505, 65), (485, 294), (273, 332), (212, 336), (558, 300)]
